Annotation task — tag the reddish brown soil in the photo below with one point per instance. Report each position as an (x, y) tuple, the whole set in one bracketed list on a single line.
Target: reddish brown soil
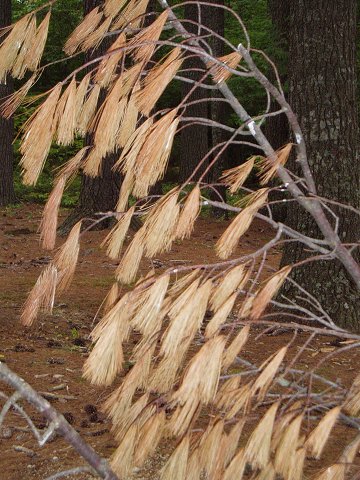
[(52, 352)]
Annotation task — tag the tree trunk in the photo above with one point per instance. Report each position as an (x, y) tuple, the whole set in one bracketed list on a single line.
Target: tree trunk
[(322, 77), (99, 194), (7, 193)]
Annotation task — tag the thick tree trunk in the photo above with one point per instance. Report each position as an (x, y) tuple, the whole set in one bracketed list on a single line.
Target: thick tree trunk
[(323, 94), (7, 193), (99, 194)]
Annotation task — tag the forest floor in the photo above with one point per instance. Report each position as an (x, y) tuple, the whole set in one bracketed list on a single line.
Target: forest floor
[(50, 355)]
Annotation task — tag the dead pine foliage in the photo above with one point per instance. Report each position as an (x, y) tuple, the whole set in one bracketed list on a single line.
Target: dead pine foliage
[(186, 331)]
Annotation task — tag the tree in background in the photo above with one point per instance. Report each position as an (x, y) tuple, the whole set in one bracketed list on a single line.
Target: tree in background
[(322, 76), (7, 193)]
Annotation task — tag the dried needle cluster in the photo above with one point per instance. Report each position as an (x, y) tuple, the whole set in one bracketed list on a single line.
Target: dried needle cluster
[(185, 345)]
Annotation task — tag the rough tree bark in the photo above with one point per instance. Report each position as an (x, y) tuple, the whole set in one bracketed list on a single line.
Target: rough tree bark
[(7, 193), (98, 194), (323, 94)]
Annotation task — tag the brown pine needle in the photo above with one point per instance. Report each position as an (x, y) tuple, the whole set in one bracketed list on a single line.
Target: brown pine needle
[(108, 66), (34, 55), (37, 140), (177, 464), (233, 280), (12, 43), (161, 223), (227, 390), (257, 450), (157, 80), (149, 437), (48, 225), (87, 112), (221, 73), (152, 159), (209, 448), (340, 469), (182, 283), (201, 377), (236, 468), (189, 214), (129, 265), (317, 439), (144, 42), (122, 460), (66, 258), (121, 425), (71, 167), (352, 401), (82, 31), (66, 115), (231, 441), (113, 7), (264, 296), (235, 347), (115, 239), (125, 190), (235, 177), (194, 468), (41, 297), (286, 450), (97, 36), (111, 298), (20, 66), (268, 473), (220, 317), (238, 401), (81, 93), (132, 15), (128, 125), (13, 102), (230, 238), (269, 370), (269, 166)]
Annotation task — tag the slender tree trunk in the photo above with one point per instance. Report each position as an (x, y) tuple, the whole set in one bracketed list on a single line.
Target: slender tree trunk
[(322, 75), (7, 193), (99, 194)]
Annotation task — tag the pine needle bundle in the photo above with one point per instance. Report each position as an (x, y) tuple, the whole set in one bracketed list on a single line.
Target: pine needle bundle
[(82, 31), (144, 42), (128, 125), (236, 468), (264, 296), (113, 7), (161, 223), (86, 114), (176, 465), (352, 401), (148, 305), (180, 284), (232, 281), (221, 73), (268, 473), (193, 471), (48, 224), (37, 140), (201, 377), (257, 450), (209, 448), (81, 92), (13, 102), (66, 258), (235, 177), (317, 439), (108, 66), (230, 238), (111, 298), (115, 239), (66, 115), (226, 391), (154, 154), (189, 214), (131, 15), (121, 312), (121, 425), (268, 371), (71, 167), (240, 400), (157, 80), (122, 461), (235, 347), (231, 441), (34, 55), (286, 451), (129, 265), (96, 37), (12, 44), (41, 297), (125, 190), (19, 68), (270, 165), (149, 437), (186, 321), (220, 316)]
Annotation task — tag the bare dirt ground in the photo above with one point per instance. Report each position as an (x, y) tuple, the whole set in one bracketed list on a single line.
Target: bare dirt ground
[(50, 355)]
